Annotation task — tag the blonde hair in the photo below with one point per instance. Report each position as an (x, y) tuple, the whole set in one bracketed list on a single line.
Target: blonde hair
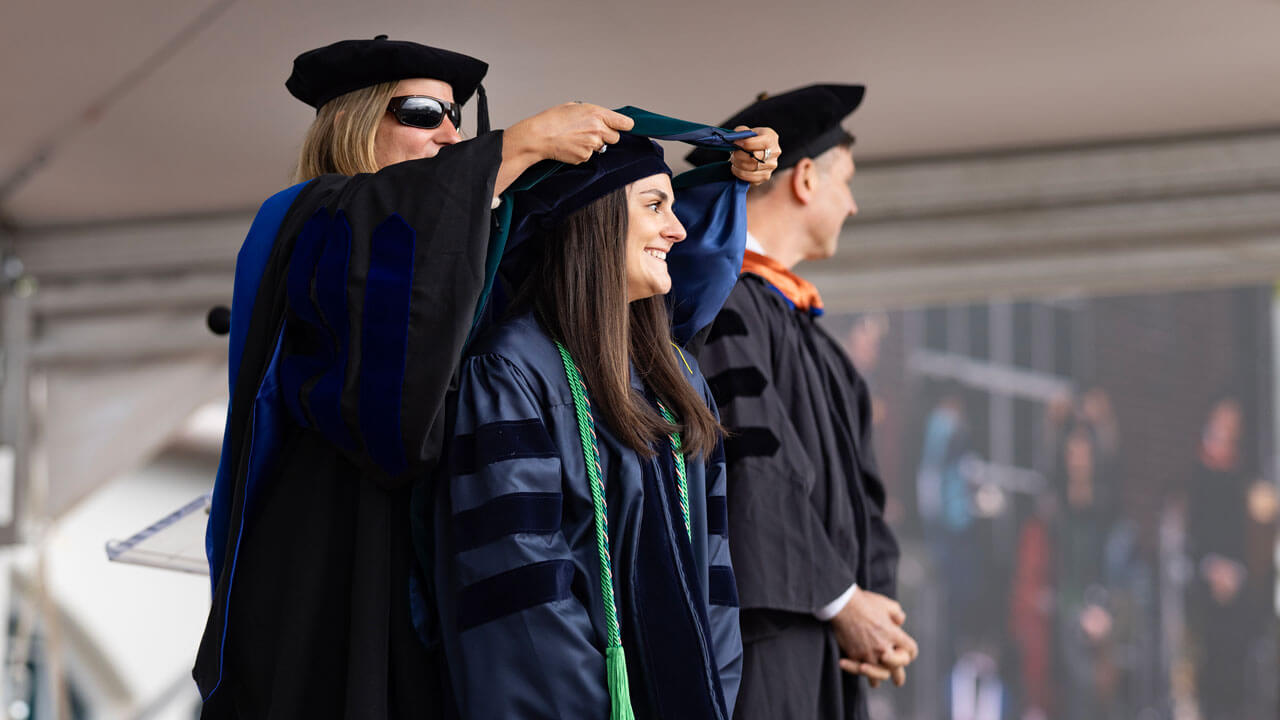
[(340, 140)]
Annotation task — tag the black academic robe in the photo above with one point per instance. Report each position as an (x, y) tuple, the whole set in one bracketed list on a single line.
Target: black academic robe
[(354, 299), (805, 499)]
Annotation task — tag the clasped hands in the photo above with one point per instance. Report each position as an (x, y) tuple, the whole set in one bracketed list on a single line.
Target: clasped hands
[(869, 630)]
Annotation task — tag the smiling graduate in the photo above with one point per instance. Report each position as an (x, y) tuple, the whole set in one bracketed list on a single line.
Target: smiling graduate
[(577, 542)]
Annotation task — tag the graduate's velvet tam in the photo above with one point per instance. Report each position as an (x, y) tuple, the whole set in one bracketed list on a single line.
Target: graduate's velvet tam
[(807, 120), (323, 74), (555, 191)]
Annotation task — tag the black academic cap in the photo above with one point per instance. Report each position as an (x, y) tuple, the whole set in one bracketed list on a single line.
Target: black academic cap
[(807, 121), (323, 74)]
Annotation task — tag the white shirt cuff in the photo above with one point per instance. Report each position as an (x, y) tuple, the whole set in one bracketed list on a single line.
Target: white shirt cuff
[(833, 608)]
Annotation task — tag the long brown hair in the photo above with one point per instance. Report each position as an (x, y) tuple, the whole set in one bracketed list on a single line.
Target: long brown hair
[(578, 289), (340, 139)]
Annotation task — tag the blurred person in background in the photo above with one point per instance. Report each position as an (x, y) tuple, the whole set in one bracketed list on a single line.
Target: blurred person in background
[(1096, 410), (945, 502), (1079, 536), (815, 560), (1061, 620), (1132, 574), (1031, 613), (1229, 596), (864, 340), (864, 343)]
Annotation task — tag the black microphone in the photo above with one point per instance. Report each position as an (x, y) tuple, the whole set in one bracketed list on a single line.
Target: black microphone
[(219, 319)]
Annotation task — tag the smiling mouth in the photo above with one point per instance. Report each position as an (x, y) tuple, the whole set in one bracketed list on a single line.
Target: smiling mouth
[(661, 255)]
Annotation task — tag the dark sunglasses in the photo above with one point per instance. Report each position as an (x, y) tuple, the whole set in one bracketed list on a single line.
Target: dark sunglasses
[(424, 111)]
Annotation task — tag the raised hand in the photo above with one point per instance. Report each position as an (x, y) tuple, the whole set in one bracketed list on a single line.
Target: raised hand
[(570, 132), (757, 157)]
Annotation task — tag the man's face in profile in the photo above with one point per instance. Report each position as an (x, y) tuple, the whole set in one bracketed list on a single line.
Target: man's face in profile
[(833, 201)]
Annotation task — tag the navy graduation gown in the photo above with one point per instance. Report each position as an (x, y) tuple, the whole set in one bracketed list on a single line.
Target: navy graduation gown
[(513, 551), (805, 499), (354, 297)]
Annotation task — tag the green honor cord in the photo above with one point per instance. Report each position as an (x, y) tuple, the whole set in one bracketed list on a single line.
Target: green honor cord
[(615, 659), (681, 482)]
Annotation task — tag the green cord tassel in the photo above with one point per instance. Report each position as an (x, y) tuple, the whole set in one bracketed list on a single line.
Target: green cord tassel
[(615, 659), (619, 687)]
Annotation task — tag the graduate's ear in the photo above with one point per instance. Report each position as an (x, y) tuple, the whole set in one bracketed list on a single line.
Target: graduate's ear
[(804, 181)]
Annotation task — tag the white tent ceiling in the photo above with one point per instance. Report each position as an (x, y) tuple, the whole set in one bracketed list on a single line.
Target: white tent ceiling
[(211, 128)]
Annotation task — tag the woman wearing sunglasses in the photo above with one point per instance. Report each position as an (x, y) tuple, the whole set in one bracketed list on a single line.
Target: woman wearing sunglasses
[(579, 554), (355, 292)]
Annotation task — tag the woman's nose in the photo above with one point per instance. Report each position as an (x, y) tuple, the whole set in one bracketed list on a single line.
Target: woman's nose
[(675, 231)]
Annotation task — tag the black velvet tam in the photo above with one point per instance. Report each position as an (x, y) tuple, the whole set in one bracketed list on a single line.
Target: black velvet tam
[(550, 191), (323, 74), (807, 121)]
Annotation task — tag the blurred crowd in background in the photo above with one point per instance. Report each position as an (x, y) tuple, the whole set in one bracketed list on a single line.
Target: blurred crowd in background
[(1088, 521)]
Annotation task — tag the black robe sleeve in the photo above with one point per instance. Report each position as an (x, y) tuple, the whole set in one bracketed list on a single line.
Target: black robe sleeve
[(382, 286), (784, 557), (351, 342)]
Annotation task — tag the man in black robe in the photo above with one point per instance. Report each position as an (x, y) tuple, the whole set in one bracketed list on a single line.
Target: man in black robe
[(354, 298), (816, 563)]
